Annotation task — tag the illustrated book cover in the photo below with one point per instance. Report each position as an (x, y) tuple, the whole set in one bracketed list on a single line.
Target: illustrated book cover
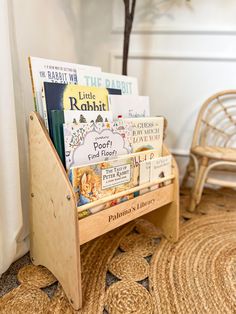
[(129, 106), (45, 70), (147, 133), (73, 97), (155, 169), (95, 181), (59, 117), (160, 168), (93, 142)]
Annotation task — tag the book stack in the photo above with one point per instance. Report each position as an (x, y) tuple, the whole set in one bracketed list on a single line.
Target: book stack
[(102, 130)]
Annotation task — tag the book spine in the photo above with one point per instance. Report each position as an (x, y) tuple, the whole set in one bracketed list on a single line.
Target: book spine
[(45, 114), (57, 120)]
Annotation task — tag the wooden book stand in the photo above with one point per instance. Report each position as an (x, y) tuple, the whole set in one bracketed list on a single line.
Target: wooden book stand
[(56, 231)]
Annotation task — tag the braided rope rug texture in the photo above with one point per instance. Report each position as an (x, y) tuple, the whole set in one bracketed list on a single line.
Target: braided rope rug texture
[(95, 257), (128, 297), (38, 276), (197, 274), (26, 298), (129, 266)]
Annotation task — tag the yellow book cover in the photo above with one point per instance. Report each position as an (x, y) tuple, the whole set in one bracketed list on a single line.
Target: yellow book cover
[(84, 98), (73, 97)]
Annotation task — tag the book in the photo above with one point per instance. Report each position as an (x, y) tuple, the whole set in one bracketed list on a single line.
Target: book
[(59, 117), (116, 201), (93, 142), (57, 135), (45, 70), (95, 181), (160, 168), (129, 106), (147, 133), (155, 169), (127, 84), (80, 98), (145, 173), (75, 116)]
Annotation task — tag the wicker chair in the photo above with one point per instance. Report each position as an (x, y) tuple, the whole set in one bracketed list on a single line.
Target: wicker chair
[(214, 144)]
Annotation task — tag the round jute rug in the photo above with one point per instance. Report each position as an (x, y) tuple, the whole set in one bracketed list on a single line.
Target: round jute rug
[(198, 273), (195, 275)]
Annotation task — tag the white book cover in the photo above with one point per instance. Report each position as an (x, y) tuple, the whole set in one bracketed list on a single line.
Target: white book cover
[(46, 70), (144, 175), (145, 172), (153, 170), (160, 168), (75, 116), (147, 133), (127, 84), (93, 142), (129, 106)]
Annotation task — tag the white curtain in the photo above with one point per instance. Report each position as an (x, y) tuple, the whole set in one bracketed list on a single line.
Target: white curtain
[(11, 218)]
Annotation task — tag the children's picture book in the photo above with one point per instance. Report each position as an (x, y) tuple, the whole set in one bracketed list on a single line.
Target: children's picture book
[(45, 70), (95, 181), (76, 116), (93, 142), (59, 117), (116, 201), (129, 106), (160, 167), (127, 84), (138, 159), (144, 175), (145, 172), (73, 97), (147, 133), (57, 135), (155, 169)]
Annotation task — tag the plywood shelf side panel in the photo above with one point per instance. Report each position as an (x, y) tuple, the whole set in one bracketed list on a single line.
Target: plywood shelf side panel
[(53, 213)]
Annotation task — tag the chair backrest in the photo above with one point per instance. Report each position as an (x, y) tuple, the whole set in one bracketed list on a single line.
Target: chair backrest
[(216, 123)]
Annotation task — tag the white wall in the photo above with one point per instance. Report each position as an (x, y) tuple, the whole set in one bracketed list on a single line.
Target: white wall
[(42, 28), (181, 52)]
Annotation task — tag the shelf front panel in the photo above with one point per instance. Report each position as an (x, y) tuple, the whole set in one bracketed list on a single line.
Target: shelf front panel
[(97, 224)]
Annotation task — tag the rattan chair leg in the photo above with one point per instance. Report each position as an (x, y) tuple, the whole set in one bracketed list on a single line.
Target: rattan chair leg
[(187, 173), (196, 193), (185, 178)]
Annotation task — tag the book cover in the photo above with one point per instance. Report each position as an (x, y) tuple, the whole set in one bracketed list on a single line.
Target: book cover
[(155, 169), (147, 133), (93, 142), (59, 117), (160, 168), (57, 133), (76, 116), (45, 70), (127, 84), (95, 181), (144, 175), (129, 106), (73, 97), (145, 172)]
